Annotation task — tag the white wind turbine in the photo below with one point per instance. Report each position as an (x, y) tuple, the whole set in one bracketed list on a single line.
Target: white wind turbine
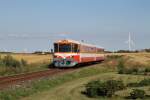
[(130, 42)]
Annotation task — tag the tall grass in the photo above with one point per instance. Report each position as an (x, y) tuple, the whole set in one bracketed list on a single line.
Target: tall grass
[(9, 66), (127, 67)]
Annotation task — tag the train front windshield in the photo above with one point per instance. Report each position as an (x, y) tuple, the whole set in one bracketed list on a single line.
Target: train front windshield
[(65, 48), (62, 47)]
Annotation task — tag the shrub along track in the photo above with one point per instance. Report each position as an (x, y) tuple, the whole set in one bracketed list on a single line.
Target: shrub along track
[(8, 81)]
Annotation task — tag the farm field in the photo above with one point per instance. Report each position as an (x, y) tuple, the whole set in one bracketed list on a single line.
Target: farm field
[(143, 58), (31, 58), (33, 62)]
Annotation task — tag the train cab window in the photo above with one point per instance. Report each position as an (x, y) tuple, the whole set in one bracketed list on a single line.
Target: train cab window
[(55, 47), (64, 47)]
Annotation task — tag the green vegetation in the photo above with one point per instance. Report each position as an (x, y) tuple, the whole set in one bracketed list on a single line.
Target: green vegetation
[(114, 57), (73, 89), (147, 50), (121, 66), (106, 88), (116, 78), (127, 51), (137, 93), (10, 66), (109, 87), (137, 69), (132, 70), (97, 89), (147, 70), (42, 85), (144, 82), (122, 69)]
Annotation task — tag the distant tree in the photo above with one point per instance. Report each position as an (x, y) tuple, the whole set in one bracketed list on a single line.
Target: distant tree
[(147, 50), (127, 51), (38, 52)]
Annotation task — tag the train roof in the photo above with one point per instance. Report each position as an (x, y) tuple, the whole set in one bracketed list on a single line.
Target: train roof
[(78, 42)]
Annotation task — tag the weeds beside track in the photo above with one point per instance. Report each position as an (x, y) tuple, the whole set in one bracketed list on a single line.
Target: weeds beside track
[(15, 79), (8, 81)]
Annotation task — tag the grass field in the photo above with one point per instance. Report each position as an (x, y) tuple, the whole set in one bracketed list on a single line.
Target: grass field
[(72, 90), (50, 83), (31, 58), (35, 62), (69, 86), (143, 58)]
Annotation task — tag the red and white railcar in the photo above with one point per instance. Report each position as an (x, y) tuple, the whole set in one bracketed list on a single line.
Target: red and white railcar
[(69, 53)]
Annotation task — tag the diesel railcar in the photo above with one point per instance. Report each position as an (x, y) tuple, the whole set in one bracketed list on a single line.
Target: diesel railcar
[(69, 53)]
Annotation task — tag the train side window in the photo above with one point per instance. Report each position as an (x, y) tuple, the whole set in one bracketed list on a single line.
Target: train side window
[(100, 50), (76, 48)]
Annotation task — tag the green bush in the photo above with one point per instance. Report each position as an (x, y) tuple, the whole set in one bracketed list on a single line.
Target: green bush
[(121, 66), (9, 61), (11, 65), (112, 86), (131, 71), (135, 70), (147, 70), (23, 62), (1, 62), (144, 82), (107, 88), (123, 70), (92, 88), (114, 56), (133, 84), (137, 93)]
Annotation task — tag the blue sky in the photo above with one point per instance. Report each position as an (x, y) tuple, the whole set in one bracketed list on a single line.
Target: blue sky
[(35, 24)]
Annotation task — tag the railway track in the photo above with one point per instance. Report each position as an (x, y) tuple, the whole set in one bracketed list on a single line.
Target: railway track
[(8, 81), (16, 79)]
